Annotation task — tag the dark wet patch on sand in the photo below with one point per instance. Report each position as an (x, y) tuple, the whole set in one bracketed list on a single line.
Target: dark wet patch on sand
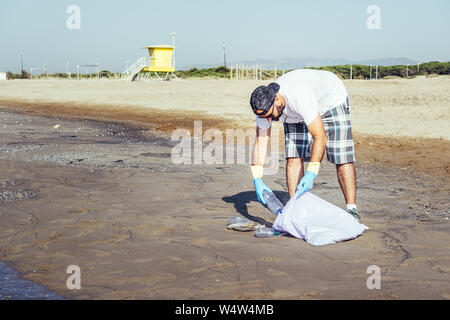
[(13, 287)]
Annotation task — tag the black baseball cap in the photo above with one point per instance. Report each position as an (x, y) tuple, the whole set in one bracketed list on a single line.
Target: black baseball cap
[(263, 97)]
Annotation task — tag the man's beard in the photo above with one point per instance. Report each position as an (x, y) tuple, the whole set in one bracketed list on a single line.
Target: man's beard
[(277, 118)]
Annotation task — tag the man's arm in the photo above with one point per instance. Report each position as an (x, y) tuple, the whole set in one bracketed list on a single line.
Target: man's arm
[(320, 139), (258, 160), (260, 146), (318, 149)]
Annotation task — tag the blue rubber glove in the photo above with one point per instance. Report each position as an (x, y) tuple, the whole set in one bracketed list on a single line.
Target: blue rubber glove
[(260, 187), (306, 183)]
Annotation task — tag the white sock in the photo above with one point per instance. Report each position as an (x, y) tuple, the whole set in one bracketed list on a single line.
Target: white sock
[(351, 206)]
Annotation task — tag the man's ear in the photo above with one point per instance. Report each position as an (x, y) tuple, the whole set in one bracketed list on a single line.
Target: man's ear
[(280, 98)]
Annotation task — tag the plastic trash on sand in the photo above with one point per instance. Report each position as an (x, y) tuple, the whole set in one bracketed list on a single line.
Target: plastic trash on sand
[(317, 221), (275, 206), (241, 224), (266, 232)]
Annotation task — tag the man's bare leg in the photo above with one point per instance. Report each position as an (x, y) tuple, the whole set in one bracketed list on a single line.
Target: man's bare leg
[(346, 174), (294, 172)]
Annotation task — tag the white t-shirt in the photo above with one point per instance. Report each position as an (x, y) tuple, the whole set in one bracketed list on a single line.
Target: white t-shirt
[(307, 93)]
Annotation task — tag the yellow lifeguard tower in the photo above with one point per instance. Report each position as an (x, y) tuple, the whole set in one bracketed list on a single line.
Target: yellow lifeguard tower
[(160, 61)]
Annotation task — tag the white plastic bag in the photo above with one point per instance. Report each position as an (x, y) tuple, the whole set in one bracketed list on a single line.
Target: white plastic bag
[(317, 221)]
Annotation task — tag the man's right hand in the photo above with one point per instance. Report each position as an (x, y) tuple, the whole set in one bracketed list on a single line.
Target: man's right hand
[(260, 187), (306, 183)]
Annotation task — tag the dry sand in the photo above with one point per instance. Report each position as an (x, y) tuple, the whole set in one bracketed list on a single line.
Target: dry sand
[(107, 197)]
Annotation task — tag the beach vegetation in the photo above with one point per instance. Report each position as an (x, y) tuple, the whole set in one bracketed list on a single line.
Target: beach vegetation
[(216, 72)]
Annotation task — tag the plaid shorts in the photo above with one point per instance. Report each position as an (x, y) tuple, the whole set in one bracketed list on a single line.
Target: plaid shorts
[(338, 128)]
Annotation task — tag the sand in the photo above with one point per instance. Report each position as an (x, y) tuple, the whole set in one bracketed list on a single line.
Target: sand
[(106, 196), (398, 122), (401, 108)]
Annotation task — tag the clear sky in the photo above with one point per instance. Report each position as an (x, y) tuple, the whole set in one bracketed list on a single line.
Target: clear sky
[(113, 32)]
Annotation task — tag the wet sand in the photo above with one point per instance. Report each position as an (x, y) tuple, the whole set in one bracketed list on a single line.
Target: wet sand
[(12, 287), (106, 196)]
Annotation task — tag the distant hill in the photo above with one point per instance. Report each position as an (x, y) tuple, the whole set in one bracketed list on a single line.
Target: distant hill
[(388, 62)]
